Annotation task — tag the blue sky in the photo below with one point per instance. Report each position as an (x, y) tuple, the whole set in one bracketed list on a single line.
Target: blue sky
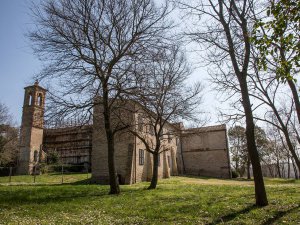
[(17, 63)]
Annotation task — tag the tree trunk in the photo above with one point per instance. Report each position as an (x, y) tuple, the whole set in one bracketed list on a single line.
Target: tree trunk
[(278, 169), (289, 167), (278, 164), (242, 170), (113, 180), (295, 97), (260, 191), (236, 161), (291, 148), (155, 171), (248, 168), (270, 170), (295, 169)]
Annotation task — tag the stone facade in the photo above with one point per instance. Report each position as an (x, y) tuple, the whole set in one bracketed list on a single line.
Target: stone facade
[(201, 151), (204, 152)]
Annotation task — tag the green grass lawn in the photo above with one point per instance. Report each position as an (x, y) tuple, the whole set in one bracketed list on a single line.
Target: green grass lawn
[(179, 200), (52, 178)]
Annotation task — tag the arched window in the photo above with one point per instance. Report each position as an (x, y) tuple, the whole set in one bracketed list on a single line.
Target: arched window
[(30, 99), (40, 99), (35, 156)]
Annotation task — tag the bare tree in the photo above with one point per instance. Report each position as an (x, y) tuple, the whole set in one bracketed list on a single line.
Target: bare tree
[(8, 138), (8, 145), (4, 114), (266, 89), (89, 49), (238, 149), (274, 152), (223, 30), (271, 102), (163, 98)]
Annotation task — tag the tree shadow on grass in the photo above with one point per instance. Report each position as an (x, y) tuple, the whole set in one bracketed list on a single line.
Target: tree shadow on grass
[(285, 189), (271, 220), (82, 182), (280, 214), (232, 216), (54, 193), (44, 197), (58, 183), (216, 178)]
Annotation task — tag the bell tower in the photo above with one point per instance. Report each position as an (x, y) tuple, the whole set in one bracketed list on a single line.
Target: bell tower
[(31, 134)]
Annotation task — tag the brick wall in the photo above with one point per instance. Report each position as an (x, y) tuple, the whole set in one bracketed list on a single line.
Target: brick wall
[(205, 152), (127, 149)]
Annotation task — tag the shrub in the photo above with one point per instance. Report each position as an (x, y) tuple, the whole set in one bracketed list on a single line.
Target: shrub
[(43, 168), (234, 174), (67, 168), (52, 157)]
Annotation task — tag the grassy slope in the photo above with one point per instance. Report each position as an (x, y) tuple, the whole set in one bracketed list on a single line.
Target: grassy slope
[(179, 200)]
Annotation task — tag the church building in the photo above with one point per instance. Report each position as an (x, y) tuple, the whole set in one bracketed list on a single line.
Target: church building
[(199, 151)]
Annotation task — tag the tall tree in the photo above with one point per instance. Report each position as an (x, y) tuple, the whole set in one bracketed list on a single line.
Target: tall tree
[(89, 48), (277, 37), (163, 97), (224, 32), (266, 89)]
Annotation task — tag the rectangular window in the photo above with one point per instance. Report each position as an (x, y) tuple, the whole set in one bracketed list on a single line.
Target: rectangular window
[(158, 159), (169, 138), (130, 149), (141, 157), (151, 129), (140, 123)]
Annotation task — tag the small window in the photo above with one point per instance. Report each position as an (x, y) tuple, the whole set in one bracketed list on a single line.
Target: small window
[(30, 99), (158, 159), (35, 156), (140, 123), (141, 157), (40, 99)]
